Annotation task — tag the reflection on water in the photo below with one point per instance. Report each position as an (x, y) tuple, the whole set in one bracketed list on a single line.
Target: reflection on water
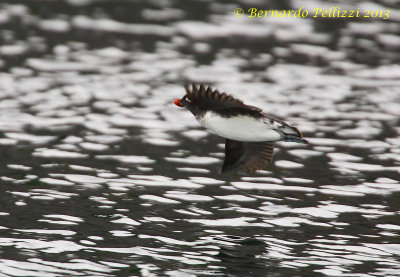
[(103, 176)]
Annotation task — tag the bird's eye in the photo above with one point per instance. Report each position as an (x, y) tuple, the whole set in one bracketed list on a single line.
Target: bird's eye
[(187, 100)]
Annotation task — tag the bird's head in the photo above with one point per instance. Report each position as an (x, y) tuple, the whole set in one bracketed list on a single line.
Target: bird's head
[(186, 102)]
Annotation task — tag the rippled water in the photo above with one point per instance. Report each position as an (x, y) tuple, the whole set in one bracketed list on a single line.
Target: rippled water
[(101, 175)]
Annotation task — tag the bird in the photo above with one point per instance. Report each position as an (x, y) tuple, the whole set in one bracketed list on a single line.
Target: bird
[(249, 132)]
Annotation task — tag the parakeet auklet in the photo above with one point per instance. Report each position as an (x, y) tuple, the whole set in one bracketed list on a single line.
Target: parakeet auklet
[(249, 132)]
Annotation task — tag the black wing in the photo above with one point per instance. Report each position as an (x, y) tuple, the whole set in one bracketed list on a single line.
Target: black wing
[(205, 98), (247, 157)]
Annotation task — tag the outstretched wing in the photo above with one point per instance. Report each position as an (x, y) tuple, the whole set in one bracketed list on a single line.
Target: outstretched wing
[(205, 98), (247, 157)]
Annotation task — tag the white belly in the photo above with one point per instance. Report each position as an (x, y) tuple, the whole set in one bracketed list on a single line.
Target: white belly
[(241, 128)]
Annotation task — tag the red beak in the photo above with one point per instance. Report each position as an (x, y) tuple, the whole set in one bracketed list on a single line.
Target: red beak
[(178, 102)]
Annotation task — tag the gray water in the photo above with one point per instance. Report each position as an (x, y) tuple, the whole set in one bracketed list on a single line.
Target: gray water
[(101, 175)]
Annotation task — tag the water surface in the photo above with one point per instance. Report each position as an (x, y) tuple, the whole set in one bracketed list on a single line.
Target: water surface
[(101, 175)]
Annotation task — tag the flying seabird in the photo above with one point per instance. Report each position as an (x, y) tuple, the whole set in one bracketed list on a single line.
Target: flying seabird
[(249, 132)]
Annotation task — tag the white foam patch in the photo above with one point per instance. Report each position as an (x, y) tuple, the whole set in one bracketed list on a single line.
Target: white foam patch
[(120, 187), (386, 180), (394, 141), (105, 105), (288, 164), (109, 25), (391, 71), (341, 192), (112, 264), (13, 50), (202, 47), (127, 159), (304, 154), (54, 25), (316, 51), (30, 138), (360, 132), (121, 184), (65, 217), (180, 183), (104, 139), (362, 166), (367, 144), (325, 141), (210, 73), (229, 222), (343, 157), (193, 160), (87, 242), (360, 189), (19, 167), (118, 233), (4, 16), (155, 198), (168, 240), (160, 142), (67, 147), (80, 178), (350, 209), (263, 179), (193, 170), (161, 181), (295, 222), (298, 180), (48, 232), (160, 66), (95, 238), (104, 128), (6, 141), (265, 186), (126, 220), (48, 123), (381, 188), (316, 212), (93, 146), (324, 148), (107, 175), (54, 153), (38, 267), (112, 53), (389, 227), (81, 168), (204, 30), (389, 248), (189, 197), (72, 140), (166, 14), (195, 134), (54, 65), (206, 181), (151, 177), (57, 182), (236, 197)]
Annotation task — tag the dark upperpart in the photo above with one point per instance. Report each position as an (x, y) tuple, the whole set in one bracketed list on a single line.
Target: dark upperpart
[(199, 99)]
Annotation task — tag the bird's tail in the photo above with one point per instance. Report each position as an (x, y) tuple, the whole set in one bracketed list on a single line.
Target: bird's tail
[(297, 137), (294, 138)]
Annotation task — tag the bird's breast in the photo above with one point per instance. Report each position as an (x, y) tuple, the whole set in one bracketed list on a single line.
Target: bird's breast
[(241, 128)]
